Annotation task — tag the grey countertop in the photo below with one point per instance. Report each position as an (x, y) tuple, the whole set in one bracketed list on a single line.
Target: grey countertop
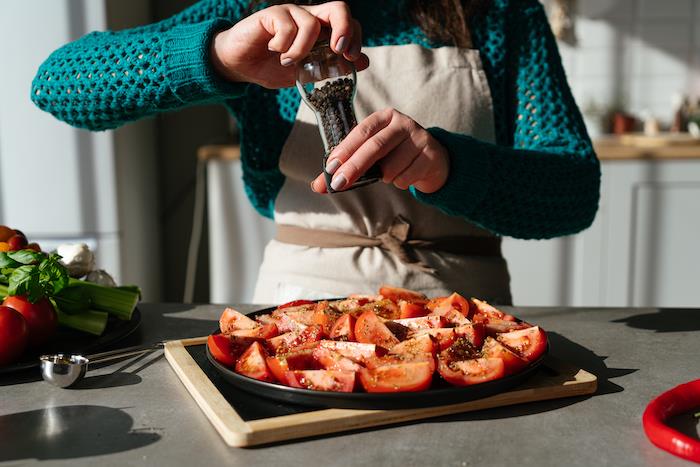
[(136, 412)]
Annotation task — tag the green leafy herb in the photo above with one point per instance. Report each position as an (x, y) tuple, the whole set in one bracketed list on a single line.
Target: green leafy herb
[(26, 256), (47, 278), (6, 262)]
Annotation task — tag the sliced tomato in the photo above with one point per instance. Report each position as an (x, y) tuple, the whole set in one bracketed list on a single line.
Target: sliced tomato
[(370, 330), (397, 293), (495, 326), (332, 360), (528, 343), (461, 349), (474, 371), (483, 308), (411, 310), (302, 314), (344, 328), (325, 316), (453, 302), (268, 331), (494, 349), (253, 363), (419, 344), (282, 341), (400, 359), (455, 318), (233, 320), (285, 323), (310, 335), (322, 380), (387, 309), (279, 368), (444, 336), (295, 303), (404, 377), (474, 333), (423, 322), (355, 351), (220, 348)]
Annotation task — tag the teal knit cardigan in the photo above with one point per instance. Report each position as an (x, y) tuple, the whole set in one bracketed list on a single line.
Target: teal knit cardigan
[(541, 179)]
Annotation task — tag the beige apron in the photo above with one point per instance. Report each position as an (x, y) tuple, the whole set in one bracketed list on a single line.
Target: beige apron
[(444, 87)]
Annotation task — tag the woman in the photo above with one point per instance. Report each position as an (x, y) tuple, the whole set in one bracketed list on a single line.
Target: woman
[(465, 106)]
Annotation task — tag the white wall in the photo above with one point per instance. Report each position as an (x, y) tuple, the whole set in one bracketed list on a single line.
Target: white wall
[(635, 52)]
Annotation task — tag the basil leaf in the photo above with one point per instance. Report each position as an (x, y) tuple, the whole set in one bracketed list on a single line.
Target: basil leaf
[(25, 281), (26, 256), (7, 262), (53, 275)]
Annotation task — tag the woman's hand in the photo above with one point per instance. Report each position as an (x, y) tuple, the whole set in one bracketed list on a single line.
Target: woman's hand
[(263, 47), (406, 152)]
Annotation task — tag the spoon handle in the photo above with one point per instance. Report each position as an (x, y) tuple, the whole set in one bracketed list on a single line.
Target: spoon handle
[(125, 352)]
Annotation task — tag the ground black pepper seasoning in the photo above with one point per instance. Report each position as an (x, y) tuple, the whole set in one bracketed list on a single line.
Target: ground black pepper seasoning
[(327, 83)]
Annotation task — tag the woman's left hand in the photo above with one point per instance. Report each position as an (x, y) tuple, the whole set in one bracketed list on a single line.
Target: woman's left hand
[(406, 152)]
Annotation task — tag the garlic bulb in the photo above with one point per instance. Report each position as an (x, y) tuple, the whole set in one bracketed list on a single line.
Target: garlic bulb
[(100, 277), (77, 258)]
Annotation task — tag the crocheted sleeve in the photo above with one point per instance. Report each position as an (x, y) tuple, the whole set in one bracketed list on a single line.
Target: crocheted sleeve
[(543, 182), (105, 79)]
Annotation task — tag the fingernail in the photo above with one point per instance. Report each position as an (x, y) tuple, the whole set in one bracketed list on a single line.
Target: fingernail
[(312, 186), (341, 44), (338, 182), (332, 166), (286, 61)]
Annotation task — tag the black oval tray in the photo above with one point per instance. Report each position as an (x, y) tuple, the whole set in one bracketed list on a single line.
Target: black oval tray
[(440, 392), (71, 341)]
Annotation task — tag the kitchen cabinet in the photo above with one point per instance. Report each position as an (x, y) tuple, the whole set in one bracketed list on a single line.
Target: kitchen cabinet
[(642, 249)]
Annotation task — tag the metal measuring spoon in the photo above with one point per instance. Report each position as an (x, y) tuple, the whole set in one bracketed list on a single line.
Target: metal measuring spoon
[(64, 369)]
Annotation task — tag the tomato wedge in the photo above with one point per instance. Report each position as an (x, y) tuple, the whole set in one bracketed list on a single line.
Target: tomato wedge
[(220, 348), (453, 302), (444, 336), (322, 380), (528, 343), (400, 359), (232, 320), (279, 368), (355, 351), (494, 349), (495, 326), (423, 322), (370, 330), (343, 329), (268, 331), (332, 360), (483, 308), (418, 344), (411, 310), (469, 372), (325, 316), (474, 333), (405, 377), (253, 363), (295, 303), (397, 293)]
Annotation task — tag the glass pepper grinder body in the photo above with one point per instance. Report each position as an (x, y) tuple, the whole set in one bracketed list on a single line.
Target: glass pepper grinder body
[(327, 83)]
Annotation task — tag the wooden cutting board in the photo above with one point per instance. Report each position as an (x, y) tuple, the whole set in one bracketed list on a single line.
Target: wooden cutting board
[(246, 420)]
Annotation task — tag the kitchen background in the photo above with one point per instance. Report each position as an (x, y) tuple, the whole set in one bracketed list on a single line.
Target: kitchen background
[(133, 194)]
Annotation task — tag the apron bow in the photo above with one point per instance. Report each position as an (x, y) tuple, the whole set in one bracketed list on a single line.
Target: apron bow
[(396, 241)]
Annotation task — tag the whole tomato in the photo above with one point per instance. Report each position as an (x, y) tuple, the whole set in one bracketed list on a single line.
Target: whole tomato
[(14, 335), (40, 317)]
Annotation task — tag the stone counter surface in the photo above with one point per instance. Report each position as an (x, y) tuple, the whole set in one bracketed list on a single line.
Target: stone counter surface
[(136, 412)]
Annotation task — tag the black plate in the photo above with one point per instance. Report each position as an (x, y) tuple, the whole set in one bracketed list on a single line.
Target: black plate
[(71, 341), (440, 393)]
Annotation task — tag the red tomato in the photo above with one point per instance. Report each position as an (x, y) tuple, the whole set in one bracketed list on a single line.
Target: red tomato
[(279, 368), (303, 314), (481, 307), (310, 335), (419, 344), (14, 335), (253, 363), (355, 351), (474, 371), (40, 317), (397, 293), (496, 326), (423, 322), (6, 233), (267, 331), (232, 320), (322, 380), (221, 349), (453, 302), (455, 318), (325, 316), (369, 330), (444, 336), (494, 349), (344, 328), (295, 303), (332, 360), (461, 349), (411, 310), (474, 333), (17, 242), (387, 309), (408, 377), (400, 359), (528, 343), (34, 246)]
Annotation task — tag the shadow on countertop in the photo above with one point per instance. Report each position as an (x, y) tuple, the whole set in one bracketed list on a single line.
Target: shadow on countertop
[(665, 320), (69, 432)]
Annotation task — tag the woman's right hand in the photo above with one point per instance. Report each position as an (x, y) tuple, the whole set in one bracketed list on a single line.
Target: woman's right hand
[(264, 47)]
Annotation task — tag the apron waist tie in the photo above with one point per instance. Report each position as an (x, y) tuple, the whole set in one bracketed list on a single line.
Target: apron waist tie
[(395, 240)]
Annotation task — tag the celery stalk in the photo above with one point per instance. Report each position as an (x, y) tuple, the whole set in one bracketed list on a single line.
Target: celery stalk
[(3, 291), (117, 302), (91, 321)]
